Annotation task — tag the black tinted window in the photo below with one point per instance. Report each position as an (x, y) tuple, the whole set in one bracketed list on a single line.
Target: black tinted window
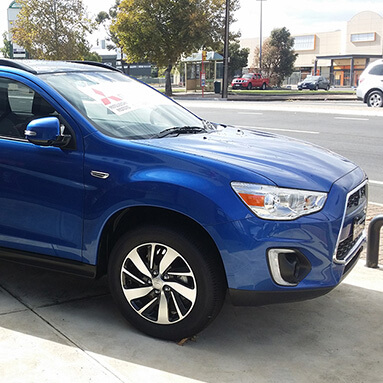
[(19, 105), (377, 70)]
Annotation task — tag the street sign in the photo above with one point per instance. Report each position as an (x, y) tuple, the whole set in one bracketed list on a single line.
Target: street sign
[(203, 79)]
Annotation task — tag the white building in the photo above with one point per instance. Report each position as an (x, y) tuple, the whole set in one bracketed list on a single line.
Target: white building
[(339, 55)]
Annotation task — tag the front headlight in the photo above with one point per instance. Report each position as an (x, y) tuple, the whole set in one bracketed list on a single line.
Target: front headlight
[(271, 202)]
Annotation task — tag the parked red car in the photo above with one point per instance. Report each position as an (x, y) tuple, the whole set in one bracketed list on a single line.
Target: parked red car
[(250, 81)]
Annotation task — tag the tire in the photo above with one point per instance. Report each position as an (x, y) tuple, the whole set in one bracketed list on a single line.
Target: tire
[(328, 87), (316, 87), (264, 86), (165, 283), (250, 86), (375, 99)]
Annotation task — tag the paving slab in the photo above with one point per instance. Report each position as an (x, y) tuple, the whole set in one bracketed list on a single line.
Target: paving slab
[(335, 338), (8, 303), (32, 351), (35, 287)]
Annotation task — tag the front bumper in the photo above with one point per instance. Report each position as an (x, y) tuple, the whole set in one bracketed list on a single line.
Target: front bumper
[(259, 298), (244, 246), (240, 85)]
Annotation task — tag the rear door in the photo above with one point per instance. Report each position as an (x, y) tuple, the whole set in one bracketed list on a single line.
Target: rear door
[(376, 76), (41, 188)]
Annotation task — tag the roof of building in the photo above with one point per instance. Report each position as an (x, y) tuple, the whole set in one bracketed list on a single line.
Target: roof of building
[(210, 56), (15, 4)]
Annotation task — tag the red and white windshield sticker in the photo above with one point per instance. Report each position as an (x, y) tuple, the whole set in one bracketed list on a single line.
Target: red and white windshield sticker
[(111, 99)]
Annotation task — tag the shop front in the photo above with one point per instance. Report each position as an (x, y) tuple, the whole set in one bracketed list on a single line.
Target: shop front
[(343, 76), (346, 70)]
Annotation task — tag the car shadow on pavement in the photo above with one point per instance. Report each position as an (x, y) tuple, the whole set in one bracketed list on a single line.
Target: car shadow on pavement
[(334, 338)]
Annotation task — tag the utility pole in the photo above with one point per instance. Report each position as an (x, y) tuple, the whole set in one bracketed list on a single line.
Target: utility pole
[(226, 52), (260, 38)]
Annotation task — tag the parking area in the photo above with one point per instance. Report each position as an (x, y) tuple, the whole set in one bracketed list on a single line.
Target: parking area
[(60, 328)]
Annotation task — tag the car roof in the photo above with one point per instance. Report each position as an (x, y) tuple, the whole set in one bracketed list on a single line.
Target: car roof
[(42, 66)]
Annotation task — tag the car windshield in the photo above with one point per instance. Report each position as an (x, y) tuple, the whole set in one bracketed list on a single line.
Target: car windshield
[(247, 76), (312, 78), (122, 107)]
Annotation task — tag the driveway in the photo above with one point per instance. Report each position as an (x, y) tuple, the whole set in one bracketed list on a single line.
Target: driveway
[(57, 328)]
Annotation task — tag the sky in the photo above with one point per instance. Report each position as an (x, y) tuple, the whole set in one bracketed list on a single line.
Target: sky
[(298, 16)]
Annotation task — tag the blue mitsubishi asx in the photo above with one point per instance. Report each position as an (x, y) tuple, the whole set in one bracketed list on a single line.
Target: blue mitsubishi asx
[(102, 175)]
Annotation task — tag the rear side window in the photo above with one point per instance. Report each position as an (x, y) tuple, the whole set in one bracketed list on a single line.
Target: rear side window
[(20, 97), (377, 70)]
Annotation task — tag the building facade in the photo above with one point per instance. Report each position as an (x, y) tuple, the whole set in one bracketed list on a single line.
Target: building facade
[(12, 12), (339, 55)]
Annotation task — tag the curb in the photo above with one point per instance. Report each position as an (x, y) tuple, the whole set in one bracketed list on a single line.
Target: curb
[(285, 97)]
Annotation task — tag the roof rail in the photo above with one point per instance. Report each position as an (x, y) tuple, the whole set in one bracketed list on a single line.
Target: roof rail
[(17, 64), (95, 63)]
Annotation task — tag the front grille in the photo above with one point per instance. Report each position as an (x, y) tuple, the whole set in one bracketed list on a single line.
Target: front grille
[(352, 230), (345, 247), (355, 198)]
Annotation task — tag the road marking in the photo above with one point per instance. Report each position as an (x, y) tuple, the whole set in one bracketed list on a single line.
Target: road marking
[(375, 182), (277, 129), (375, 203), (351, 118), (249, 113)]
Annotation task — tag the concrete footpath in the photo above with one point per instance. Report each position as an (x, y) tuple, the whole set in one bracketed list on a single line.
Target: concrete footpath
[(57, 328)]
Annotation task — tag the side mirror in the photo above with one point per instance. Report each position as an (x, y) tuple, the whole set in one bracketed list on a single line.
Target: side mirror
[(46, 131)]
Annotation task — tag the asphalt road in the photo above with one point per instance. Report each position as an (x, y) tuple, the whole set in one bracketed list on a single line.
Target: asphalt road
[(345, 127)]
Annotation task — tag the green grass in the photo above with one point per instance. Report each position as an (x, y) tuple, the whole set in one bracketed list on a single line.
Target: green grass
[(289, 91), (174, 90)]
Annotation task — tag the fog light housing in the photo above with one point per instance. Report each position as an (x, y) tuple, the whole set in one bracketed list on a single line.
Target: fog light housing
[(288, 266)]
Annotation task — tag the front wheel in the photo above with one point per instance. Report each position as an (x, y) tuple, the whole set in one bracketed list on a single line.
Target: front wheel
[(375, 99), (250, 86), (166, 284)]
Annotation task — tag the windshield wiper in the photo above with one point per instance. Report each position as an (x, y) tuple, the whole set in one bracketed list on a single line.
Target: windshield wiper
[(176, 130)]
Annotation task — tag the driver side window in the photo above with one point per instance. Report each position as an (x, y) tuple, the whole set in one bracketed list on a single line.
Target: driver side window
[(19, 105)]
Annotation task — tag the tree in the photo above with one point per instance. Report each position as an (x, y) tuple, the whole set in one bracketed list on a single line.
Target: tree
[(278, 56), (105, 18), (238, 59), (161, 31), (6, 50), (92, 56), (53, 29)]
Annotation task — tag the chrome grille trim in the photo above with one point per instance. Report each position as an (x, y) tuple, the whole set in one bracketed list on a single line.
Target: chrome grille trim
[(362, 237)]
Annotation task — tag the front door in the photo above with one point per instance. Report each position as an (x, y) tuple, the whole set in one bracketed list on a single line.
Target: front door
[(41, 188)]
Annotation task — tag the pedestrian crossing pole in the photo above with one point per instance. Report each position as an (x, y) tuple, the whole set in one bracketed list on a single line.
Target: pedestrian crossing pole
[(226, 52)]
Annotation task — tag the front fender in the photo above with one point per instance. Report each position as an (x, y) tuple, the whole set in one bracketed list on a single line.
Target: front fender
[(140, 175)]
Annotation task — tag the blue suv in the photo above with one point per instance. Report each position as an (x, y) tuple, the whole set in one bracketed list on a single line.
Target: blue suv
[(100, 174)]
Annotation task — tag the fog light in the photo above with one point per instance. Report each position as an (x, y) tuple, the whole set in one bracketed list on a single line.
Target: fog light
[(288, 267)]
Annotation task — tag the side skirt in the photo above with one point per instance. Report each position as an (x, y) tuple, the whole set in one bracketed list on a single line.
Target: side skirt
[(49, 262)]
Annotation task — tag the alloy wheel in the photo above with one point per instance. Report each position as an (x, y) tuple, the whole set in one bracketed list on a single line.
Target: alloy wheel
[(158, 283), (375, 100)]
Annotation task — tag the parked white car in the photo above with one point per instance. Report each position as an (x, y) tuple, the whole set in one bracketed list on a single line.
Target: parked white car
[(370, 88)]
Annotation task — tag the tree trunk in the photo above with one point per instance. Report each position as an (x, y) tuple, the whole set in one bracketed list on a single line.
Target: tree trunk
[(168, 81)]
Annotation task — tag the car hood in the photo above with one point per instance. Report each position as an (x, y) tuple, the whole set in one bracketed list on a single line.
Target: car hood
[(285, 161)]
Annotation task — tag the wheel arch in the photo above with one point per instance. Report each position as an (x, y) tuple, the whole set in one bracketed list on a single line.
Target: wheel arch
[(369, 92), (127, 219)]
